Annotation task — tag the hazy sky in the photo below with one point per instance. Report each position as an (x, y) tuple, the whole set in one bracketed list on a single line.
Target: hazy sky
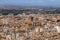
[(31, 2)]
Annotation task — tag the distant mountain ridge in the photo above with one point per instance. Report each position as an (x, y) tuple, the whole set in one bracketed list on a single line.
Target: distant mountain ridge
[(19, 7), (10, 7)]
